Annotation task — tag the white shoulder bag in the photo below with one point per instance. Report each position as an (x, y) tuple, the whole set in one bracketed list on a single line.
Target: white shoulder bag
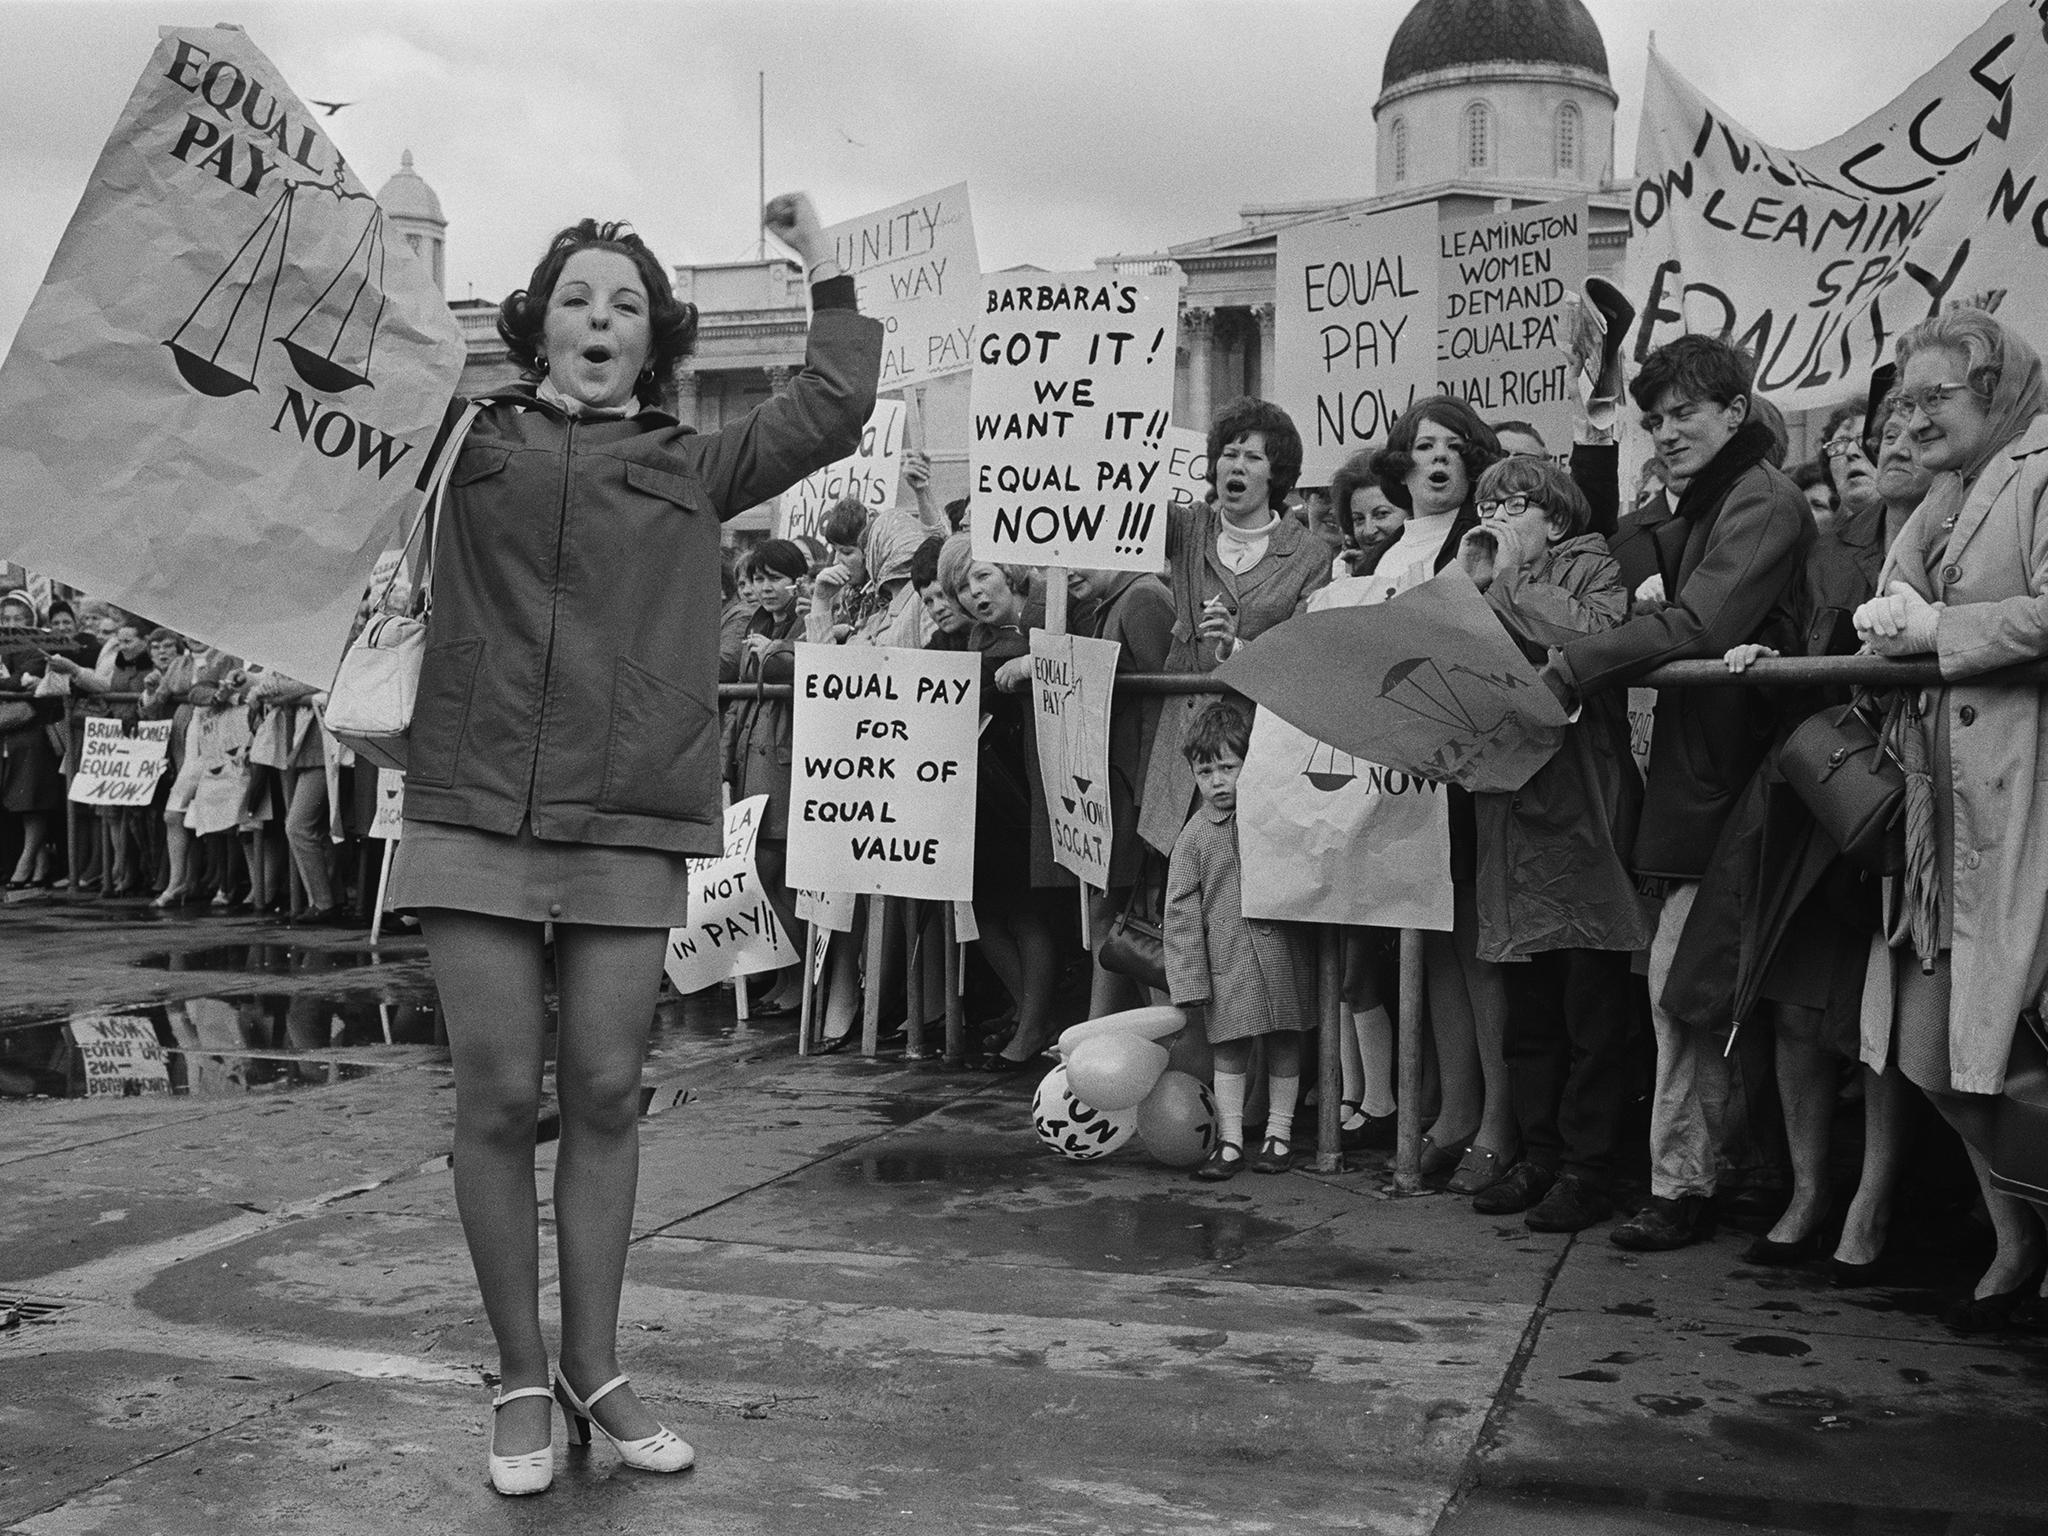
[(369, 707)]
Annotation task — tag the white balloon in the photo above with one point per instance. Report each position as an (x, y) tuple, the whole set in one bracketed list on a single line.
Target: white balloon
[(1154, 1023), (1113, 1072), (1177, 1121), (1073, 1129)]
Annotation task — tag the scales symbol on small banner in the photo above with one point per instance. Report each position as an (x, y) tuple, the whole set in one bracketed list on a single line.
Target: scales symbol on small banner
[(349, 331), (1074, 714), (1337, 768)]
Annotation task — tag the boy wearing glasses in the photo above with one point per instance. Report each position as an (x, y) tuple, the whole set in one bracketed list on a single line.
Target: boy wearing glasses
[(1553, 887)]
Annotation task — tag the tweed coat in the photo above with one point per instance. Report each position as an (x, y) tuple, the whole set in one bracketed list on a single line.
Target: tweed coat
[(1295, 564), (1990, 751), (1257, 977)]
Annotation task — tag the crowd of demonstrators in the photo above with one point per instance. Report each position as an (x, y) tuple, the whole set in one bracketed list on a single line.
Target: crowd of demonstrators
[(1611, 926), (1681, 945), (258, 808)]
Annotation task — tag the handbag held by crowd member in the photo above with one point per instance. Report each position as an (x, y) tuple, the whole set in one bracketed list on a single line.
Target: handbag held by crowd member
[(1135, 945), (369, 707), (1843, 765)]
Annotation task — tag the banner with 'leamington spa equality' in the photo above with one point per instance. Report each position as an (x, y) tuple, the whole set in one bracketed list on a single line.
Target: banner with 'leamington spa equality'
[(1814, 261)]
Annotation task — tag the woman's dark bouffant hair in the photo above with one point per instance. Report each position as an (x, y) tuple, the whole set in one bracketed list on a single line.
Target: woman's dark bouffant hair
[(1283, 442), (1391, 465), (776, 557), (672, 323)]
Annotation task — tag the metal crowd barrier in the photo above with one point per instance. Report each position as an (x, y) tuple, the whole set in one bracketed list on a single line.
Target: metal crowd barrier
[(917, 922), (1775, 672)]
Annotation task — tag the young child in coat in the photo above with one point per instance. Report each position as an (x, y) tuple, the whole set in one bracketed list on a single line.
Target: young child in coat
[(1247, 977), (1554, 889)]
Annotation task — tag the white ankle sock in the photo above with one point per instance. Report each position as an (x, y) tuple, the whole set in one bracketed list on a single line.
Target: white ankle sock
[(1280, 1096), (1230, 1106), (1374, 1031)]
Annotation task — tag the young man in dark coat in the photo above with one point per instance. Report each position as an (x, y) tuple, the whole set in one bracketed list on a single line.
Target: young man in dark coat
[(1723, 563)]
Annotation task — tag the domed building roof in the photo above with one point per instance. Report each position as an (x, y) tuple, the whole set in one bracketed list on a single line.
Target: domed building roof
[(407, 195), (1450, 34)]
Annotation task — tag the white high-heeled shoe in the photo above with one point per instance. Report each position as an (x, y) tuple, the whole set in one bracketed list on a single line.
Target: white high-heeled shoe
[(662, 1451), (535, 1471)]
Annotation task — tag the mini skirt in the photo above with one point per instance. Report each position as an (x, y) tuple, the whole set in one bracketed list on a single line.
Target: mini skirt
[(523, 877)]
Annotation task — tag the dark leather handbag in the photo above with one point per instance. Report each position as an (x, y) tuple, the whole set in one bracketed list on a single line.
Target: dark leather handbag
[(1841, 764), (1135, 945)]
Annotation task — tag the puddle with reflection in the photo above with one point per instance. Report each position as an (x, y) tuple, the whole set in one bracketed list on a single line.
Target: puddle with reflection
[(266, 959), (997, 1201), (222, 1046)]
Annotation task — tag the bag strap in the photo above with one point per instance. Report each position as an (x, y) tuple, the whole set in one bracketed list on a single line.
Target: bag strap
[(430, 505), (437, 492)]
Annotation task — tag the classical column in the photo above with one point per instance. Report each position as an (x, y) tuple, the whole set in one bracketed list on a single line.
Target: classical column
[(1268, 374), (1197, 327), (686, 382)]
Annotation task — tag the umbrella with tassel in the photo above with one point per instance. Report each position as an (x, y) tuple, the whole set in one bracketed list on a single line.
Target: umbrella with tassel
[(1921, 882)]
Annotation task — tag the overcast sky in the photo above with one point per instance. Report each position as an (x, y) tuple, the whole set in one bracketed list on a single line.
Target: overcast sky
[(1083, 128)]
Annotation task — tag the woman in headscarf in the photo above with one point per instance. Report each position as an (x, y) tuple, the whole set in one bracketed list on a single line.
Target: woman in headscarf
[(1967, 582)]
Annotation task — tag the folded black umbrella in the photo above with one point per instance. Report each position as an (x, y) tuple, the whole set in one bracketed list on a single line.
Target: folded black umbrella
[(1427, 682)]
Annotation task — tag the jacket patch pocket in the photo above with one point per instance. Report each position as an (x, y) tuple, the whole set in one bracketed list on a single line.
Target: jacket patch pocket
[(478, 462), (661, 755), (440, 713), (682, 491)]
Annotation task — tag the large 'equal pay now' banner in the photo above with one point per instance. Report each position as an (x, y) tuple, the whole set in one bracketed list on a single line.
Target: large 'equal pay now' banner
[(228, 385), (1355, 327), (1073, 389), (1814, 261)]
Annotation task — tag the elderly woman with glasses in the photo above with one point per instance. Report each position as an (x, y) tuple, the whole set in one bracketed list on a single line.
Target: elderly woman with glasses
[(1967, 583)]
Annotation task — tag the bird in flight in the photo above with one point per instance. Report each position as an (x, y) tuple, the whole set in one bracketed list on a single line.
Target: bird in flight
[(330, 107)]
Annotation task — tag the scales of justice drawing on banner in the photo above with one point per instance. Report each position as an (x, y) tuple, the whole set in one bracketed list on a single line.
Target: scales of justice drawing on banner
[(220, 310)]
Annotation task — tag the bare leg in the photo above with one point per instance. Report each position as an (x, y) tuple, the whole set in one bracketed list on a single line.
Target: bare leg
[(1887, 1106), (609, 978), (488, 972), (2014, 1221), (842, 984), (178, 845), (1457, 1046), (1038, 971), (1806, 1094), (34, 827), (1488, 994)]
